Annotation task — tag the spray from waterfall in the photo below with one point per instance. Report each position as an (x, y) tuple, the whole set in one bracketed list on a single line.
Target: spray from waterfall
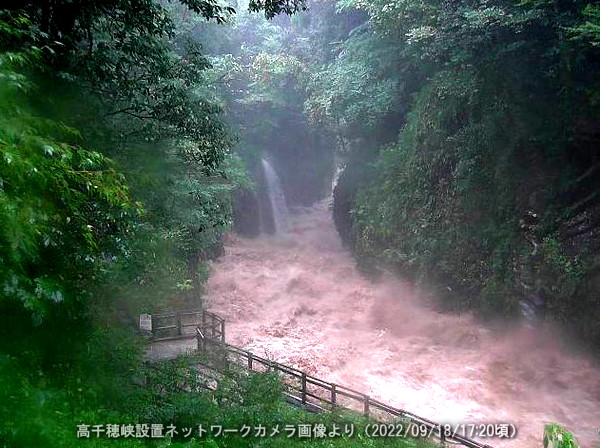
[(276, 197)]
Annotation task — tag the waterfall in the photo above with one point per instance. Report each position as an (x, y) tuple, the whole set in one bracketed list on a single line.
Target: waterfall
[(532, 308), (276, 197), (339, 168)]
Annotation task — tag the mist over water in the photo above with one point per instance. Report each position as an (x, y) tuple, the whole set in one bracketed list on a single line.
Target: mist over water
[(299, 300)]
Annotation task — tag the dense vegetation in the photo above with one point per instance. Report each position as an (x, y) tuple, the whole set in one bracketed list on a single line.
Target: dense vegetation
[(470, 132), (116, 182), (262, 69)]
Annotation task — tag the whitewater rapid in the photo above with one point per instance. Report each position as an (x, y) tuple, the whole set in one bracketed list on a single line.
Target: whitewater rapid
[(298, 299)]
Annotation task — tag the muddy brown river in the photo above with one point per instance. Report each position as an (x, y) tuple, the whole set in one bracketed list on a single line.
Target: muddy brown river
[(298, 299)]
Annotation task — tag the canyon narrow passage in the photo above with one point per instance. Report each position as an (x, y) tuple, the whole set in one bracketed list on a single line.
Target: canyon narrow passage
[(298, 299)]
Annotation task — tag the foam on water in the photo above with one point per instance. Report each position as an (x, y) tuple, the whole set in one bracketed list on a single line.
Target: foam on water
[(300, 301)]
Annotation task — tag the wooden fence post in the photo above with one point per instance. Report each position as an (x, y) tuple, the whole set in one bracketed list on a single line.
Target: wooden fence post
[(303, 387), (333, 396), (154, 324), (146, 324), (222, 355), (201, 343)]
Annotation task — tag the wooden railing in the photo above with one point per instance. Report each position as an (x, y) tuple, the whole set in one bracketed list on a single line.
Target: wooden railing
[(184, 324), (317, 394), (211, 327), (312, 392)]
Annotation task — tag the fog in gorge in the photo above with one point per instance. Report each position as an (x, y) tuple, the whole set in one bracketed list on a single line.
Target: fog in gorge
[(353, 290), (400, 197), (300, 300)]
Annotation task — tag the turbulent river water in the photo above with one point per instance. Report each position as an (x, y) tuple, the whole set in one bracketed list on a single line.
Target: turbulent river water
[(299, 300)]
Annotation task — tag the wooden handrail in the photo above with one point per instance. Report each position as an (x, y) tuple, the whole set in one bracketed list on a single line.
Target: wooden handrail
[(331, 392), (210, 330), (172, 325)]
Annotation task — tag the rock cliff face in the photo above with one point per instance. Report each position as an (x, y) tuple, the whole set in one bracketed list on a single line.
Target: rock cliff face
[(246, 214), (252, 212), (303, 160), (351, 178), (343, 201)]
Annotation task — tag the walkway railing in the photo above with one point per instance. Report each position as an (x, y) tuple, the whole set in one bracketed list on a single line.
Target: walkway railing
[(323, 395), (310, 391), (184, 324)]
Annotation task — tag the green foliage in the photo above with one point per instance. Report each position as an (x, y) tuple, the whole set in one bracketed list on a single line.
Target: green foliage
[(487, 191), (273, 7), (63, 209), (115, 179), (353, 94), (555, 436), (148, 84), (261, 78), (246, 400), (270, 76), (590, 30), (442, 221)]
